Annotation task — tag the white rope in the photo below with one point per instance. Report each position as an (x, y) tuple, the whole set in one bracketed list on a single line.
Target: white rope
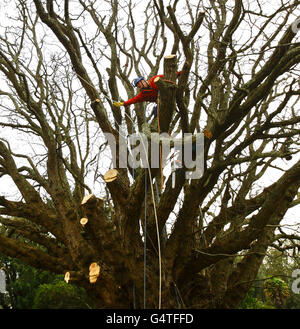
[(155, 215)]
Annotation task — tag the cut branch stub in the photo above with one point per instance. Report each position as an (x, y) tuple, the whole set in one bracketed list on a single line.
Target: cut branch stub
[(100, 229), (170, 67), (67, 277), (111, 175), (74, 276), (86, 198), (117, 186), (170, 56), (167, 92), (84, 221), (92, 222), (89, 199), (94, 272)]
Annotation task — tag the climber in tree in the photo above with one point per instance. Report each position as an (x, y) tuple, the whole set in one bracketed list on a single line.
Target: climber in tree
[(148, 92)]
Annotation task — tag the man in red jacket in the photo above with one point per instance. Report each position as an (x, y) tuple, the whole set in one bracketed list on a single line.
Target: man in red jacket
[(148, 92)]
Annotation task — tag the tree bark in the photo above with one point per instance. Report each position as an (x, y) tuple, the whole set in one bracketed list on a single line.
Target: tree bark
[(167, 93)]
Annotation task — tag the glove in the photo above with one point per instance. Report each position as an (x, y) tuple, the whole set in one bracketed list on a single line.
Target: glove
[(118, 104)]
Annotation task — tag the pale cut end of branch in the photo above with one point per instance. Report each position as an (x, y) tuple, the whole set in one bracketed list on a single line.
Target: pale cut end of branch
[(170, 56), (84, 221), (111, 175), (67, 277), (86, 198), (94, 272)]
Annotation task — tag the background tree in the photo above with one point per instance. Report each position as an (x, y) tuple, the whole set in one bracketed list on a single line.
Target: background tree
[(277, 291), (274, 279), (60, 295), (27, 287), (63, 63), (22, 281), (252, 301)]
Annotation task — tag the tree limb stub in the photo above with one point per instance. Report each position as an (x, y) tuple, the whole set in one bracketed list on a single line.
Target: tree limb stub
[(67, 277), (117, 187), (102, 231), (167, 92), (84, 221), (75, 276), (111, 175), (94, 272)]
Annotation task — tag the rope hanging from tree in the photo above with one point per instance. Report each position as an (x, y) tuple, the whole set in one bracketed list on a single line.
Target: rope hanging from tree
[(160, 147)]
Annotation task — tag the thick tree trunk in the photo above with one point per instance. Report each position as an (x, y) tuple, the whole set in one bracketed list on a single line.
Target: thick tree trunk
[(167, 93)]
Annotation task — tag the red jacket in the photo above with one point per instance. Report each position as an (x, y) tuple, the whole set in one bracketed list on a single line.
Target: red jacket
[(147, 94)]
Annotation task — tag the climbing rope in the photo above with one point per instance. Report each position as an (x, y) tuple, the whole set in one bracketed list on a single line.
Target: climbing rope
[(155, 216), (160, 148), (134, 306), (145, 235), (158, 201), (145, 240)]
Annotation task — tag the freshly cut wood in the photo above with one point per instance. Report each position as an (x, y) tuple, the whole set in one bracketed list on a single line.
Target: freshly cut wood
[(111, 175), (94, 269), (170, 56), (67, 277), (84, 221), (86, 198), (94, 272)]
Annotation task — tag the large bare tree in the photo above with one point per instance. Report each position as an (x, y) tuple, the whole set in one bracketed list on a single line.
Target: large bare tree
[(198, 244)]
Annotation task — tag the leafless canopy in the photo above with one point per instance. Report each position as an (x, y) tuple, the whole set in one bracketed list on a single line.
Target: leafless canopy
[(63, 63)]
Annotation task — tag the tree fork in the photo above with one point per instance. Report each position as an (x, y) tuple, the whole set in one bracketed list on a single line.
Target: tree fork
[(102, 231)]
